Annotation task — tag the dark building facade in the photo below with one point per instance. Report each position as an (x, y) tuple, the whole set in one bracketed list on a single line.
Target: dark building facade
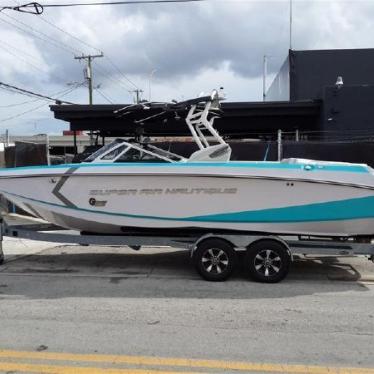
[(346, 110), (305, 75)]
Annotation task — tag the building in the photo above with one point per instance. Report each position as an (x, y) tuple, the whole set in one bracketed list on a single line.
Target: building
[(341, 80)]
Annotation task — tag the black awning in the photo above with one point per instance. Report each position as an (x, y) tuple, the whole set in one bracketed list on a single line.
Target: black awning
[(238, 119)]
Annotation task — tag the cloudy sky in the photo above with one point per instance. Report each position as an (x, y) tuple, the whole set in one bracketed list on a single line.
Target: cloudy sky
[(181, 49)]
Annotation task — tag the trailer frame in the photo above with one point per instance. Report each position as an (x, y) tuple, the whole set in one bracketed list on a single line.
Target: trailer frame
[(22, 227)]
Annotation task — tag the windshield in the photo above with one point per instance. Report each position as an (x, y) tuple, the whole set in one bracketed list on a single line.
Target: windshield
[(103, 150), (164, 153), (137, 155), (122, 151)]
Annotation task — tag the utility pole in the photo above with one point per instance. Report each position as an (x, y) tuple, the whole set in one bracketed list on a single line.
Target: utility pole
[(137, 95), (89, 78), (291, 5)]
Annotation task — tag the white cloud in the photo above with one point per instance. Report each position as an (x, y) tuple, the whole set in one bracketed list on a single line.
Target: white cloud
[(19, 55), (194, 47)]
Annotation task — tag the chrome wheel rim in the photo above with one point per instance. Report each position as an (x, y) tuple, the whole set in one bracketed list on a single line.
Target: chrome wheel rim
[(215, 261), (268, 263)]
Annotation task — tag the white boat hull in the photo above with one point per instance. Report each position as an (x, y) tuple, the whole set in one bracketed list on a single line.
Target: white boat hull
[(257, 197)]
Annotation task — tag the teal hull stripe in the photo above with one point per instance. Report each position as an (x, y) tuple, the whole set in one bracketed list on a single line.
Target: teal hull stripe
[(330, 211), (358, 208), (244, 164)]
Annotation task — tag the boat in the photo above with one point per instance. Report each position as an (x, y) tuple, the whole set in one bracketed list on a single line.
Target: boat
[(134, 185)]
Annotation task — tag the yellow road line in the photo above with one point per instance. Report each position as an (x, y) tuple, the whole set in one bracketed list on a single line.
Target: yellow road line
[(182, 362), (53, 369)]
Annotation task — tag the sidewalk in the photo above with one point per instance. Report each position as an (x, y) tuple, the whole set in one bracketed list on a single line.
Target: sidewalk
[(14, 248)]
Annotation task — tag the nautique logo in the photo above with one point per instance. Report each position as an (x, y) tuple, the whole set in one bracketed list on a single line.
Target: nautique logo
[(165, 191)]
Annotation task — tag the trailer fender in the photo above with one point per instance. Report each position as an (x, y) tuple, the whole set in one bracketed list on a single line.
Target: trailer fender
[(205, 237)]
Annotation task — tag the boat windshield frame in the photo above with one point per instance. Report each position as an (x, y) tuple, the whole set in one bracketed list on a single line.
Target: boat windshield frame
[(124, 147)]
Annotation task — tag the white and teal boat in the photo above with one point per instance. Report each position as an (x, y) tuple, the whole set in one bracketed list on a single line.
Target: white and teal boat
[(127, 185)]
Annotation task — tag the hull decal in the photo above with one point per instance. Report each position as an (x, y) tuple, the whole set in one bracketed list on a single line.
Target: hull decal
[(356, 208), (60, 184), (342, 210), (36, 214)]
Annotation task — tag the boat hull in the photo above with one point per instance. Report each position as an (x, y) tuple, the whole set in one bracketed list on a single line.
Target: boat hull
[(251, 197)]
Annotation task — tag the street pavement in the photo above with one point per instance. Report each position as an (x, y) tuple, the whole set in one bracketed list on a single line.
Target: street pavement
[(73, 309)]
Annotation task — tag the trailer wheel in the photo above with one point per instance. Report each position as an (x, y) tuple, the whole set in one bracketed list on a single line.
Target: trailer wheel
[(268, 261), (215, 259)]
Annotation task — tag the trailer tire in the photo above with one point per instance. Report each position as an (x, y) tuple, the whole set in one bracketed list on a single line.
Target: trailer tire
[(215, 259), (268, 261)]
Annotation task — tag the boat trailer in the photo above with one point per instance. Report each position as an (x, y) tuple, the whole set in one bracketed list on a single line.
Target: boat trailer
[(215, 255)]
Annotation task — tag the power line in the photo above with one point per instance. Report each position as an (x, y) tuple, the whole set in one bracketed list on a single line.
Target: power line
[(92, 47), (106, 74), (69, 34), (37, 107), (23, 113), (132, 2), (104, 96), (63, 92), (36, 36), (67, 48), (21, 51), (111, 62), (19, 104), (25, 92), (24, 60), (56, 43), (31, 8), (63, 45), (38, 9), (20, 58), (120, 72)]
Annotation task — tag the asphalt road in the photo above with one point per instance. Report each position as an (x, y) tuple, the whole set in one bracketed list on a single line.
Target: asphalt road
[(84, 309)]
